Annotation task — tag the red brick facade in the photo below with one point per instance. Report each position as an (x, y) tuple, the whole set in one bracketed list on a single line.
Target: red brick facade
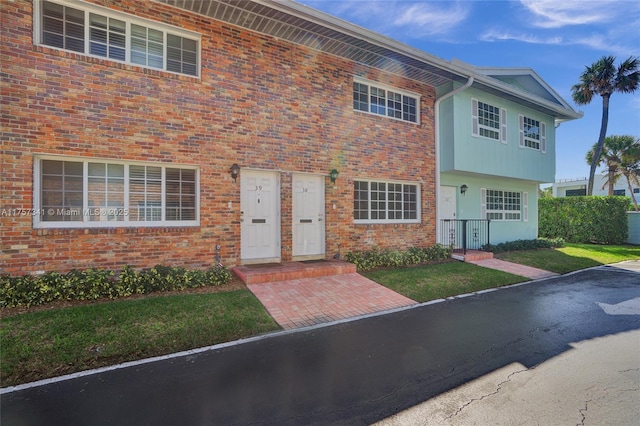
[(259, 102)]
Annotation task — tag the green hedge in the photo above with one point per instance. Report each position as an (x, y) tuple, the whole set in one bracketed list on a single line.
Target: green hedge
[(597, 220), (538, 243), (376, 258), (92, 284)]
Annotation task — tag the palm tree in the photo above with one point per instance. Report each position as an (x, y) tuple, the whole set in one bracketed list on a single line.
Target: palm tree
[(603, 78), (611, 157), (621, 156), (630, 168)]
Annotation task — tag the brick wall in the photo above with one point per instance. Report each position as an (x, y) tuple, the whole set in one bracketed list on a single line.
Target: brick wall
[(260, 102)]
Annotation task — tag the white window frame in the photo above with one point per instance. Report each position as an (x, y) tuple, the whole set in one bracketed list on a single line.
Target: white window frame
[(476, 126), (526, 141), (523, 212), (88, 212), (386, 210), (370, 84), (87, 8)]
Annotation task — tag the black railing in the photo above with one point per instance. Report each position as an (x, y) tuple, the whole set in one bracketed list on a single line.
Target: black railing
[(465, 234)]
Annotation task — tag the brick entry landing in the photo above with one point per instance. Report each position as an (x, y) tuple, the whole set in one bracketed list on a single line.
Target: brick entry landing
[(309, 301), (271, 272), (317, 292)]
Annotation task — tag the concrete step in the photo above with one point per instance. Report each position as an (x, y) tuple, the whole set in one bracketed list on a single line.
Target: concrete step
[(271, 272), (472, 255)]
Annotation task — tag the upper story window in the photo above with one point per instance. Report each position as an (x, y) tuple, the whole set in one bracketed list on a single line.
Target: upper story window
[(385, 202), (488, 121), (82, 193), (386, 101), (532, 133), (104, 33)]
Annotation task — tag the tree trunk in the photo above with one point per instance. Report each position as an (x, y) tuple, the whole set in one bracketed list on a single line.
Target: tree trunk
[(603, 134), (633, 196), (612, 178)]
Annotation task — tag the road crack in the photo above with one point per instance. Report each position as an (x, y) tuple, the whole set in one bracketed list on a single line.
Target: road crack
[(498, 389), (583, 412)]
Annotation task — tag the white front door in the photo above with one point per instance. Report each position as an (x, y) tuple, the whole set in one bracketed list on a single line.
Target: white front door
[(308, 216), (448, 208), (260, 218), (448, 202)]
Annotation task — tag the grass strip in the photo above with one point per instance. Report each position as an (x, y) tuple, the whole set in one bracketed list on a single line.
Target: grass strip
[(438, 281), (572, 257), (46, 344)]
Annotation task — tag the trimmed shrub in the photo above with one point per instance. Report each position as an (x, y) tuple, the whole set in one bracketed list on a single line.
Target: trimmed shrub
[(376, 258), (92, 284), (538, 243), (596, 220)]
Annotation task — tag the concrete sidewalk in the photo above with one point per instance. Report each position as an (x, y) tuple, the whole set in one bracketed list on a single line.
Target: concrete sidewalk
[(594, 383), (514, 268)]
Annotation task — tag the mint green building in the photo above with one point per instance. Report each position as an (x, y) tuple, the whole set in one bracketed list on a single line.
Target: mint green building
[(496, 141)]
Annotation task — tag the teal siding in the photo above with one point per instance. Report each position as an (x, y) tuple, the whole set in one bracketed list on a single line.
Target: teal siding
[(469, 204), (462, 152), (447, 135)]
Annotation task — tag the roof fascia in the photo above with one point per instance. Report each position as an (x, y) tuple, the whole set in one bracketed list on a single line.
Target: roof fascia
[(337, 24), (491, 71), (565, 111)]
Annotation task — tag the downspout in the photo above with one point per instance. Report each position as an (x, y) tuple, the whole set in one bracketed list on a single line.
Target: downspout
[(437, 131)]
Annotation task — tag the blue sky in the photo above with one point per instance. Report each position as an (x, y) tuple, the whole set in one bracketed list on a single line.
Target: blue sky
[(555, 38)]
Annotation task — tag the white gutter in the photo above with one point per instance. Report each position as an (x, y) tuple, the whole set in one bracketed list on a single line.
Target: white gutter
[(437, 131), (303, 11)]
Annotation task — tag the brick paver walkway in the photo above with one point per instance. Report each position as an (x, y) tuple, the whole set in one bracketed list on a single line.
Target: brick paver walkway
[(309, 301), (514, 268)]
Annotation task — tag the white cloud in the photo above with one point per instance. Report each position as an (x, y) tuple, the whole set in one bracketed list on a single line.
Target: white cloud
[(556, 14), (600, 42), (430, 18), (493, 35), (411, 18)]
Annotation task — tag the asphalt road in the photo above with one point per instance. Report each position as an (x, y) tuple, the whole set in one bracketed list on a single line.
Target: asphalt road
[(355, 372)]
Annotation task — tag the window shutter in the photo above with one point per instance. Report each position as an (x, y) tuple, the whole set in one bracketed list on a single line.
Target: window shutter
[(474, 118), (543, 137), (521, 124), (503, 125), (483, 203), (525, 207)]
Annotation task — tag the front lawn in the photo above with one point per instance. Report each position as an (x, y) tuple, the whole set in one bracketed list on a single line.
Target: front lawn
[(438, 281), (48, 343), (572, 257)]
